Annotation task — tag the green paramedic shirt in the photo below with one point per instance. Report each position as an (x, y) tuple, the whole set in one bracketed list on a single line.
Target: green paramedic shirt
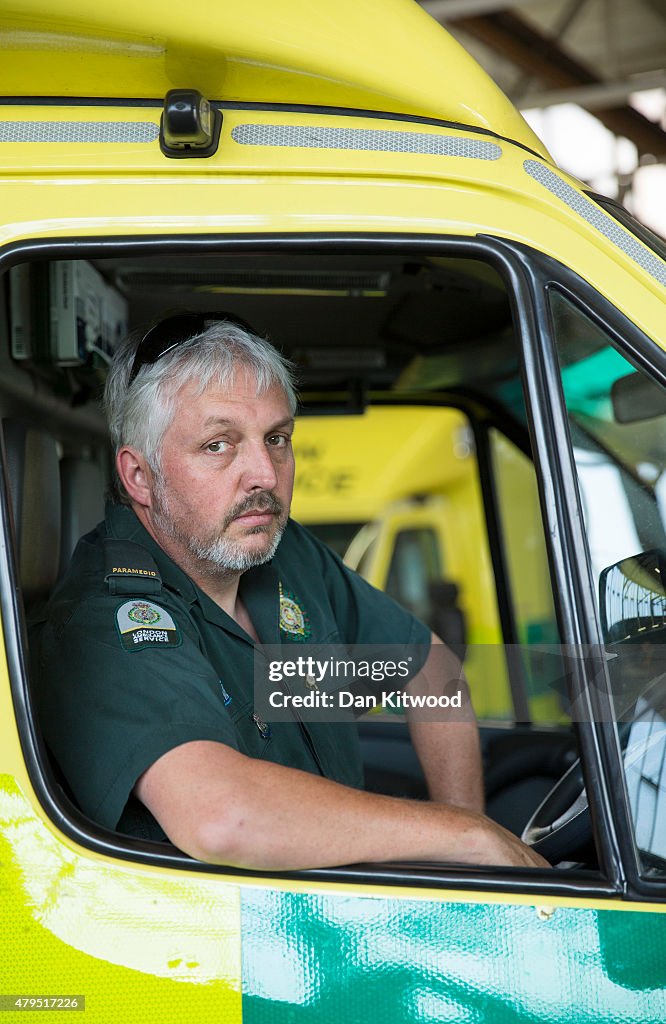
[(117, 687)]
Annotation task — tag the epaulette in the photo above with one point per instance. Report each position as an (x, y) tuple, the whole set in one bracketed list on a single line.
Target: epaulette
[(129, 568)]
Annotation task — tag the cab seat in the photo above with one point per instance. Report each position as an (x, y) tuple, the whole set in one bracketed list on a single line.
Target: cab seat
[(33, 466)]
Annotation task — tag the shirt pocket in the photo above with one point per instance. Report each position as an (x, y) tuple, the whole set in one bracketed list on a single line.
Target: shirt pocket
[(253, 734)]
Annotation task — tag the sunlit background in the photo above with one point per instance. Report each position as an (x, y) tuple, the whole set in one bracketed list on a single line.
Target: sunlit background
[(590, 78)]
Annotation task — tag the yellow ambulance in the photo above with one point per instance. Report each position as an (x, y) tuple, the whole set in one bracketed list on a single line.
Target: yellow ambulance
[(396, 493), (346, 178)]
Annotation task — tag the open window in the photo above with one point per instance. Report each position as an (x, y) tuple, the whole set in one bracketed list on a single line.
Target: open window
[(422, 345)]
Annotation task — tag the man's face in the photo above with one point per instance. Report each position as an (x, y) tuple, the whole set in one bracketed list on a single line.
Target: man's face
[(224, 492)]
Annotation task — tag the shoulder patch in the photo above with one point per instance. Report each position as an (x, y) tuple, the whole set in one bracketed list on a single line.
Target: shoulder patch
[(145, 624)]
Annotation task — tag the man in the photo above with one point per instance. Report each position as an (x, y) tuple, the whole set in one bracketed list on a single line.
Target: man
[(145, 665)]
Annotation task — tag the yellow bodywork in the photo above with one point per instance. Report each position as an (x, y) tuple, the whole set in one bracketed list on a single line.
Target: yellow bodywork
[(140, 944), (377, 55), (146, 943), (56, 190)]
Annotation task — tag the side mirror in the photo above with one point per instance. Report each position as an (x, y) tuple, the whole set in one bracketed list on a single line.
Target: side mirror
[(635, 398), (632, 598)]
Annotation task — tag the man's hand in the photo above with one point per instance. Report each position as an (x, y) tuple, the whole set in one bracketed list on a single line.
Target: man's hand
[(502, 847)]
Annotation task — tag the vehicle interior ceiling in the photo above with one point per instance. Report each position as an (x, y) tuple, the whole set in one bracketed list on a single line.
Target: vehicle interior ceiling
[(361, 329)]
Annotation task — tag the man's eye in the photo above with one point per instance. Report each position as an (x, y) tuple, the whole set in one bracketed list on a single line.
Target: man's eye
[(217, 446), (277, 441)]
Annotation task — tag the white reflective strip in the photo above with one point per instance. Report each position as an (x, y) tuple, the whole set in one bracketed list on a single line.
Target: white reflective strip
[(78, 131), (599, 219), (364, 139)]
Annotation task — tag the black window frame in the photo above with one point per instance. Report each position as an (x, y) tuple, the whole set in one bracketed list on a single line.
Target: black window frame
[(646, 235), (647, 356)]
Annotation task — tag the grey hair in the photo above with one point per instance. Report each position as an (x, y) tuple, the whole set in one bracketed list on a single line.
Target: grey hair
[(139, 415)]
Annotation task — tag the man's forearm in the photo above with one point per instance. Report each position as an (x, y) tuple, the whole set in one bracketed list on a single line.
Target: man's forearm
[(223, 807), (446, 738), (449, 753)]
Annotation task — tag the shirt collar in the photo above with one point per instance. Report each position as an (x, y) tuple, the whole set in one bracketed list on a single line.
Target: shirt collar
[(123, 523), (258, 587)]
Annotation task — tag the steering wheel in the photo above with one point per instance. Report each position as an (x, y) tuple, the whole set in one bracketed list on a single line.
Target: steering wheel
[(561, 825)]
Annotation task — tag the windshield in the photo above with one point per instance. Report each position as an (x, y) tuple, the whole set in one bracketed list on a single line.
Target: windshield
[(648, 237)]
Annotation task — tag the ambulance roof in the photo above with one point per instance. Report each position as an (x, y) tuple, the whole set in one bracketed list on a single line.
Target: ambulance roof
[(380, 55)]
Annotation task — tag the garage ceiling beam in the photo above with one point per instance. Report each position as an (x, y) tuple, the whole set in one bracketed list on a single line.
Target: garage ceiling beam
[(450, 10), (594, 97), (516, 41)]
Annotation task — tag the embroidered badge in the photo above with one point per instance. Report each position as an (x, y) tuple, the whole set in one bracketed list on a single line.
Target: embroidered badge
[(143, 613), (293, 618), (225, 696), (144, 624)]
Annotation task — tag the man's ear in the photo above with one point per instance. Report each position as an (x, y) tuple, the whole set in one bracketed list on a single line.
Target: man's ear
[(135, 476)]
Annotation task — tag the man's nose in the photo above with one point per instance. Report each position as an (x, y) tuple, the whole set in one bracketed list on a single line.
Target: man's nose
[(259, 472)]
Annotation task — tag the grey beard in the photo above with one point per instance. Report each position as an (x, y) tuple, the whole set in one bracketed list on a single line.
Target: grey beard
[(218, 555), (226, 555)]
